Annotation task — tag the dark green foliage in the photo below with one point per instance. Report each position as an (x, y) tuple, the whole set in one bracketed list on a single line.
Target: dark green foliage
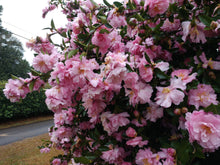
[(32, 105)]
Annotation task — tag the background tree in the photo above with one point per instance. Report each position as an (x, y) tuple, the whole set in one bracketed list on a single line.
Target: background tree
[(11, 54)]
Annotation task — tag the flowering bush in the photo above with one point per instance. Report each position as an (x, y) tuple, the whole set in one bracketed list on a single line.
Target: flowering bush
[(132, 83)]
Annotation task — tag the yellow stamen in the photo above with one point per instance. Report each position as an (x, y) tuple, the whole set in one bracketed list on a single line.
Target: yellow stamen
[(207, 129), (210, 63), (166, 90), (145, 161)]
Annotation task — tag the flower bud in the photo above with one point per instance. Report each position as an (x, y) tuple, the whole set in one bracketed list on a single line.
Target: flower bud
[(213, 25), (212, 75), (184, 110), (177, 111), (136, 113), (130, 132)]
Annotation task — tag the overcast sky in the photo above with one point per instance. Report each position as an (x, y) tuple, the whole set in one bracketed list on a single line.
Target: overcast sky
[(24, 18)]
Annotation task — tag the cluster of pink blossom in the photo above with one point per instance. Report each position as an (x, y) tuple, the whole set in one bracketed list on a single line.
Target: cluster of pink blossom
[(204, 128), (128, 79)]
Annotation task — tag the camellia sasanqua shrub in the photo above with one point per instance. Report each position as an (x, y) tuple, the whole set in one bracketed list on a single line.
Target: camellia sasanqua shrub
[(133, 82)]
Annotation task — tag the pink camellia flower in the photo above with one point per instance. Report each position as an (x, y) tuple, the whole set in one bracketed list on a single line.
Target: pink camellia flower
[(47, 9), (184, 75), (44, 62), (115, 19), (114, 156), (102, 40), (140, 123), (146, 72), (64, 117), (111, 122), (203, 96), (63, 134), (145, 157), (59, 119), (156, 6), (40, 45), (153, 112), (204, 128), (130, 132), (168, 156), (16, 89), (149, 41), (131, 79), (140, 93), (180, 2), (182, 121), (87, 5), (58, 98), (215, 65), (45, 150), (163, 66), (135, 48), (56, 161), (37, 82), (168, 95), (137, 141), (171, 26), (93, 102), (196, 33)]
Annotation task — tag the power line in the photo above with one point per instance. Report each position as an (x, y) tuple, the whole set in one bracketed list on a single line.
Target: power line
[(20, 36), (18, 28)]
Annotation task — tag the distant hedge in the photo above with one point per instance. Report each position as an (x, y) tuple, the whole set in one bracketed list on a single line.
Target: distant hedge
[(32, 105)]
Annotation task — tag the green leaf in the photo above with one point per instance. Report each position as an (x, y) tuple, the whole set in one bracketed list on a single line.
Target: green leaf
[(198, 151), (46, 28), (82, 9), (35, 73), (130, 5), (102, 31), (31, 85), (103, 19), (97, 52), (91, 157), (82, 54), (63, 34), (160, 74), (82, 160), (192, 85), (213, 108), (83, 37), (52, 24), (138, 17), (103, 148), (183, 13), (173, 8), (72, 53), (57, 80), (108, 4), (216, 87), (94, 3), (183, 150), (117, 4), (14, 77), (108, 25), (206, 20), (129, 68), (147, 58), (158, 26)]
